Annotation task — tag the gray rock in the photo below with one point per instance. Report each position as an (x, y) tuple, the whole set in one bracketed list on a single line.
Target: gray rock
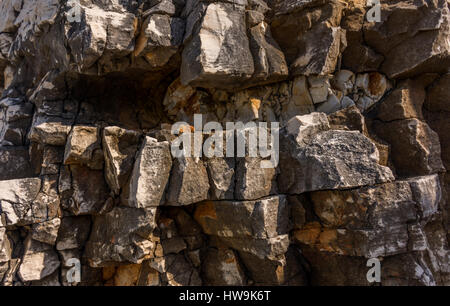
[(218, 54), (384, 241), (269, 62), (188, 182), (160, 39), (331, 160), (415, 147), (150, 174), (222, 268), (119, 147), (378, 206), (39, 261), (296, 32), (73, 232), (16, 200), (89, 191), (277, 271), (221, 173), (15, 163), (265, 218), (121, 235), (262, 248), (427, 194), (252, 181), (5, 246), (51, 133), (83, 147), (46, 232), (403, 59)]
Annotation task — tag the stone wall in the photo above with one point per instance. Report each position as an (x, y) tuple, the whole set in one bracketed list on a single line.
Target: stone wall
[(89, 90)]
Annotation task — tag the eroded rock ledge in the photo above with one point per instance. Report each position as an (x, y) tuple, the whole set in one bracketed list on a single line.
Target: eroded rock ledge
[(86, 169)]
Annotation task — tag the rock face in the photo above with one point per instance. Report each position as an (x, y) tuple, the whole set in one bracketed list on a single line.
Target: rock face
[(349, 159)]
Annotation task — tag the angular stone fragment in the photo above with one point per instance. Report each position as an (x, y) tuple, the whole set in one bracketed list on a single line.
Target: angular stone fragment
[(218, 55), (83, 147), (385, 241), (221, 173), (252, 180), (330, 160), (100, 36), (344, 80), (300, 101), (89, 191), (127, 275), (265, 218), (119, 147), (188, 182), (269, 62), (150, 174), (320, 56), (222, 268), (181, 273), (319, 88), (402, 57), (51, 133), (415, 148), (121, 235), (177, 96), (173, 245), (276, 271), (262, 248), (427, 194), (46, 232), (296, 26), (15, 163), (9, 275), (39, 261), (73, 232), (303, 128), (160, 39), (380, 206), (414, 269), (405, 102), (438, 96), (5, 246), (349, 119), (16, 199)]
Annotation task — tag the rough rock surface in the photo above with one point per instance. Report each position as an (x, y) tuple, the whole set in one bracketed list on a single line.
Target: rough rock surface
[(89, 94)]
